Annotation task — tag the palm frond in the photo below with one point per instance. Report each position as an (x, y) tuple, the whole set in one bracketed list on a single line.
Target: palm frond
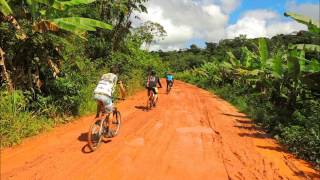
[(5, 8)]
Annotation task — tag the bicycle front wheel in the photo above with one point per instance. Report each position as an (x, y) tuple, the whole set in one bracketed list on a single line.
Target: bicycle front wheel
[(95, 134), (114, 123), (150, 103)]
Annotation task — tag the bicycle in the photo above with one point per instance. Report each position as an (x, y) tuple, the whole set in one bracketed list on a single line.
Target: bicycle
[(103, 128), (151, 100), (169, 86)]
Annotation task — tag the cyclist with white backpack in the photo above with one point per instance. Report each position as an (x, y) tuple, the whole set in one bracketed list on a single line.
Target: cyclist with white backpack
[(103, 93)]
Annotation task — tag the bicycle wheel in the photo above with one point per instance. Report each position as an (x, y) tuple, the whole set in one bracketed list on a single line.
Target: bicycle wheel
[(95, 134), (114, 123), (150, 101), (169, 87)]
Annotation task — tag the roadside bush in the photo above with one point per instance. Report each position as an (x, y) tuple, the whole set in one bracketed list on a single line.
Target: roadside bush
[(303, 142), (299, 132), (16, 121)]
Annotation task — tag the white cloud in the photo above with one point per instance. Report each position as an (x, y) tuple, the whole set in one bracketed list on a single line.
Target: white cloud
[(185, 20), (177, 33), (229, 5), (207, 20), (262, 23), (261, 14), (307, 9)]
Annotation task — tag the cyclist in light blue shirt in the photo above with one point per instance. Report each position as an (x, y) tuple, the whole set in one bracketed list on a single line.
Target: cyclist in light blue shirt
[(170, 80)]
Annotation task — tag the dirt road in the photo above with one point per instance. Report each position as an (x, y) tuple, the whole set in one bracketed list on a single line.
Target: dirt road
[(191, 134)]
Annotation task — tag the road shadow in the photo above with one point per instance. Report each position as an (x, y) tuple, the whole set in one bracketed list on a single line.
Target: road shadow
[(308, 175), (143, 108), (86, 149), (83, 137), (255, 135), (238, 116), (244, 121), (278, 149), (247, 127)]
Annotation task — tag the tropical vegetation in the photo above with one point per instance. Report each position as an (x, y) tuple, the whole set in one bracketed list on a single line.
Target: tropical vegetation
[(275, 81), (52, 53)]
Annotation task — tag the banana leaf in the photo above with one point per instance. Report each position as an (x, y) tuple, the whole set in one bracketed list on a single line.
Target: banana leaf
[(306, 47), (60, 5), (277, 70), (52, 3), (263, 51), (248, 57), (77, 25), (245, 72), (5, 8), (311, 81), (77, 2), (233, 60), (82, 23), (293, 65), (45, 26), (313, 25), (314, 66)]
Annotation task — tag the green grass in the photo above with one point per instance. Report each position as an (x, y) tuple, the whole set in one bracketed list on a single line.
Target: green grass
[(87, 104), (299, 139), (16, 122)]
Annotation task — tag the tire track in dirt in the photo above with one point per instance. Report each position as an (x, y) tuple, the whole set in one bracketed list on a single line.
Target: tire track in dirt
[(191, 134)]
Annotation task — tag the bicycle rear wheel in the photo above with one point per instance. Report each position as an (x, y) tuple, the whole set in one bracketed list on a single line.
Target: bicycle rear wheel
[(95, 134), (114, 123), (169, 87), (150, 101)]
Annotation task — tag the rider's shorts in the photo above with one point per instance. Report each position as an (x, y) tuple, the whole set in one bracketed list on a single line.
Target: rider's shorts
[(155, 90), (106, 100)]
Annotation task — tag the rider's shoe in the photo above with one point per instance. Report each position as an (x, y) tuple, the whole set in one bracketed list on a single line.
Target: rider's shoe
[(110, 134), (105, 132)]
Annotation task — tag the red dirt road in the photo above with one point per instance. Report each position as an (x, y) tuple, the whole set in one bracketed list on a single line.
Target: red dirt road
[(191, 134)]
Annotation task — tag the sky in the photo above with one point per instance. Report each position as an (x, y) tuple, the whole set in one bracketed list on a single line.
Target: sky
[(198, 21)]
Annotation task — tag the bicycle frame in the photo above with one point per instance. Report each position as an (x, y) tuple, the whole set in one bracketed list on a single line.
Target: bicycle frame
[(151, 99), (169, 86)]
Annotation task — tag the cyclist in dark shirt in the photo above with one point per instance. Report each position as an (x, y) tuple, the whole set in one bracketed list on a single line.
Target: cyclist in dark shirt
[(152, 82)]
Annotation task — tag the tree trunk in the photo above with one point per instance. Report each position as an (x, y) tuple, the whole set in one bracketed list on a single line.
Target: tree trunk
[(22, 35), (4, 73), (54, 68)]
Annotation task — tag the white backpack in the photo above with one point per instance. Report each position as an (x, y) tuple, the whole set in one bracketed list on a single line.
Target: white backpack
[(107, 84)]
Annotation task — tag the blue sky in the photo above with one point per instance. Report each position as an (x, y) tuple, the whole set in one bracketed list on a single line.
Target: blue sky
[(200, 21), (276, 5)]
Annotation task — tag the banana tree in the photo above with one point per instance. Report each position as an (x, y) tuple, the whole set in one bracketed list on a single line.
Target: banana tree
[(6, 11), (4, 72), (76, 25), (313, 25), (310, 69)]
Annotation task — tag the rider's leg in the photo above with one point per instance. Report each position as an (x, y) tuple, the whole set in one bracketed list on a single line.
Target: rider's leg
[(98, 109), (155, 91), (148, 91)]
